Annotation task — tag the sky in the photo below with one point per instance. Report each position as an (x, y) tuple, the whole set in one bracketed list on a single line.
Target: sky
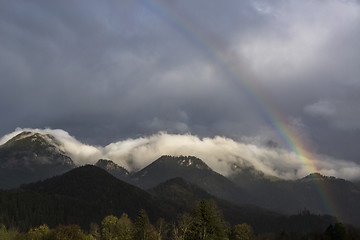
[(110, 72)]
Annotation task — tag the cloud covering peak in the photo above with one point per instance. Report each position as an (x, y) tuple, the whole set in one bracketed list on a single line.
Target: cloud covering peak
[(220, 153)]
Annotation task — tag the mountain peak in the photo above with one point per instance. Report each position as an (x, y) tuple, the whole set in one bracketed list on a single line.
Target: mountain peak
[(316, 176), (36, 146), (23, 135), (91, 185), (85, 176), (30, 156), (108, 164), (112, 168), (184, 161), (33, 136), (33, 140), (190, 168)]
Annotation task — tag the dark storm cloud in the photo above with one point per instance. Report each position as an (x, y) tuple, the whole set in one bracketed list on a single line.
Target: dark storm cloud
[(110, 65), (108, 70)]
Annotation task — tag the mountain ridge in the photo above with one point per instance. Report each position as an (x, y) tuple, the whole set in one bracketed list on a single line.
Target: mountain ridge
[(113, 168), (31, 156), (287, 196), (87, 194), (190, 168)]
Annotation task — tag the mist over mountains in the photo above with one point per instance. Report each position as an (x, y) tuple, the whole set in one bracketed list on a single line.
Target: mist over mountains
[(32, 156), (221, 154)]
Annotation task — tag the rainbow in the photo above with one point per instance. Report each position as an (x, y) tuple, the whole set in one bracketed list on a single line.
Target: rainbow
[(290, 137)]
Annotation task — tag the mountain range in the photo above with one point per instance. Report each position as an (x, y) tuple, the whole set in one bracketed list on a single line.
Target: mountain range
[(317, 193), (89, 193)]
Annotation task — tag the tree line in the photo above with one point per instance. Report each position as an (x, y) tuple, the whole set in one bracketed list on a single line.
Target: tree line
[(205, 222)]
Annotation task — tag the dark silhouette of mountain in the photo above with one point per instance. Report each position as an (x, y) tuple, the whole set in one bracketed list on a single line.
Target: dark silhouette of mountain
[(341, 197), (250, 186), (317, 193), (88, 194), (190, 168), (81, 196), (30, 157), (246, 175), (95, 185), (180, 195), (114, 169), (357, 183)]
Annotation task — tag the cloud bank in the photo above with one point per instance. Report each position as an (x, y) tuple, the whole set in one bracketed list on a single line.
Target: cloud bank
[(104, 69), (220, 153), (108, 69)]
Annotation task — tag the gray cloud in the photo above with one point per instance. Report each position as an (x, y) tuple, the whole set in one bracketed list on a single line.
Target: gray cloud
[(341, 114), (321, 109), (111, 70), (220, 153)]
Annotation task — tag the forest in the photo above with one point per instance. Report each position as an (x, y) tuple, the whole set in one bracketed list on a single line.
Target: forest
[(204, 222)]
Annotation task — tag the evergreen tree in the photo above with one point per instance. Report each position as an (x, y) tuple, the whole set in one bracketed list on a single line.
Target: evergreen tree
[(208, 222), (143, 229), (339, 232)]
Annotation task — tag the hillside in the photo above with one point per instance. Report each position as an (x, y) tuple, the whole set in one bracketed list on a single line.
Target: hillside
[(190, 168), (83, 195), (114, 169), (181, 194), (88, 194)]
